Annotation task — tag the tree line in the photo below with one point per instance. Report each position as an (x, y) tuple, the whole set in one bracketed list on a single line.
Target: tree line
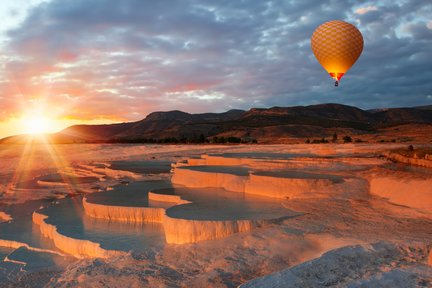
[(194, 139)]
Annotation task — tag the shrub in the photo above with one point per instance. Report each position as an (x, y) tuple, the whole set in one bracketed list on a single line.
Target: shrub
[(347, 139)]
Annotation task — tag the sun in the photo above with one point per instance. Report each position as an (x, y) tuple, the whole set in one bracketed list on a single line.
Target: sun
[(37, 124)]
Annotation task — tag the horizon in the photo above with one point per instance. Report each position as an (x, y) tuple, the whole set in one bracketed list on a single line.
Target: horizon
[(37, 134), (85, 62)]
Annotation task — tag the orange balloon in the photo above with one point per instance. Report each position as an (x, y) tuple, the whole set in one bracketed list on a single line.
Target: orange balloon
[(337, 45)]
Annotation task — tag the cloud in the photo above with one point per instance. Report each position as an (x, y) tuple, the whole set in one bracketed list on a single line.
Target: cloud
[(366, 9), (124, 59)]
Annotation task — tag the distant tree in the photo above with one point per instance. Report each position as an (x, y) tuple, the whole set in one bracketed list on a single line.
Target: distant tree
[(347, 139), (233, 140), (410, 148), (183, 139), (193, 139), (170, 140), (201, 138), (247, 139), (220, 140), (308, 141), (335, 138), (319, 141)]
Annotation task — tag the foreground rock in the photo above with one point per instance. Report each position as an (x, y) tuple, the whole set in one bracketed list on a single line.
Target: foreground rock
[(376, 265)]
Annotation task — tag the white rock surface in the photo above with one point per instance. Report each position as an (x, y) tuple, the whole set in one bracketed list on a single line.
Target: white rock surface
[(376, 265)]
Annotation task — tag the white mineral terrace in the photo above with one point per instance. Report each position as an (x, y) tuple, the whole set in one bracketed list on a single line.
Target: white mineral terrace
[(182, 215), (404, 189), (316, 207), (76, 247), (278, 184), (268, 174)]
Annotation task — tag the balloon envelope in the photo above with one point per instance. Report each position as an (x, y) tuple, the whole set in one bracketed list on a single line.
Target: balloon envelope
[(337, 45)]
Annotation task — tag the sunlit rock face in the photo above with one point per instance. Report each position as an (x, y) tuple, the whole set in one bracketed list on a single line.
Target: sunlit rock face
[(177, 230), (11, 243), (123, 213), (404, 189), (200, 176), (181, 231), (291, 186), (172, 199), (278, 184)]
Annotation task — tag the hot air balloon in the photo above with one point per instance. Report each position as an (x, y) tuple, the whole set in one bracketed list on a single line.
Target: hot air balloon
[(337, 45)]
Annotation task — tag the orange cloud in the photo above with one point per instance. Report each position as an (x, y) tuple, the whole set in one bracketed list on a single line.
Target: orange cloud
[(365, 10)]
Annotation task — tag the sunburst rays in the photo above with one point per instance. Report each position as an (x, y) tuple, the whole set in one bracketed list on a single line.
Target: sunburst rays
[(39, 156)]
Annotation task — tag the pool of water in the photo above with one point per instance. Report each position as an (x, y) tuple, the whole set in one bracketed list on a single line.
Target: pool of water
[(61, 178), (235, 170), (69, 218), (219, 204), (133, 194), (142, 167), (298, 175), (4, 252), (22, 228), (263, 155), (38, 261)]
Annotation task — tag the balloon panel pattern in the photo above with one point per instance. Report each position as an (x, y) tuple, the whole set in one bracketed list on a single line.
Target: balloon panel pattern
[(337, 45)]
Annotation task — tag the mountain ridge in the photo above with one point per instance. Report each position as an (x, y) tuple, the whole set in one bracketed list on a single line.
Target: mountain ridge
[(263, 124)]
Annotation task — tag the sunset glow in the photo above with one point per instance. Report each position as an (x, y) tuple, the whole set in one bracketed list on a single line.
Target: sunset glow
[(197, 58), (38, 125)]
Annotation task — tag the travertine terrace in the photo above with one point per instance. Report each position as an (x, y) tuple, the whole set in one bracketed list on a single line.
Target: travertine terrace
[(226, 215)]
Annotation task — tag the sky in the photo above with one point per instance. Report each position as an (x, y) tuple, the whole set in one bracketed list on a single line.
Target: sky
[(67, 62)]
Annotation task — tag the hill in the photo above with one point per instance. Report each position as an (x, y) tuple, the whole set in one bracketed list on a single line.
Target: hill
[(267, 125)]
